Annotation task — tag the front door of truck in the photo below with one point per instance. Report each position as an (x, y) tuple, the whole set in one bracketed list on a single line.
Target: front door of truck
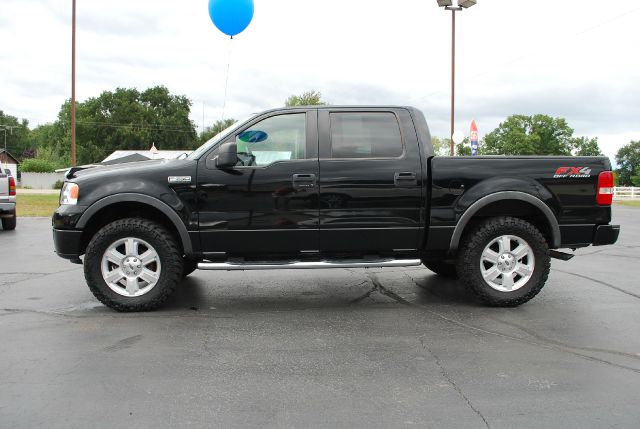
[(267, 203), (370, 181)]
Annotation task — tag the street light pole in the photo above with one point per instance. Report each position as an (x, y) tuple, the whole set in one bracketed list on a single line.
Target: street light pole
[(453, 77), (447, 4), (73, 85)]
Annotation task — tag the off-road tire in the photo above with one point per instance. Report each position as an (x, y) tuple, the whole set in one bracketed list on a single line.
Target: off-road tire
[(470, 252), (441, 268), (9, 223), (188, 266), (157, 236)]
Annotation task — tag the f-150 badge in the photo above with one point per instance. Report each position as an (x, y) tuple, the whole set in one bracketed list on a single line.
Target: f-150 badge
[(179, 179), (572, 172)]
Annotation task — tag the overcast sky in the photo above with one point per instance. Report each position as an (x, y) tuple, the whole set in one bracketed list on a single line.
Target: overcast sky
[(574, 59)]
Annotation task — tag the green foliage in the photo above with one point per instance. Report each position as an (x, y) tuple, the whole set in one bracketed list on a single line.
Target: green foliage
[(441, 146), (628, 160), (635, 180), (17, 138), (307, 98), (217, 127), (125, 119), (537, 135), (464, 148), (58, 185), (530, 135), (37, 165), (584, 146)]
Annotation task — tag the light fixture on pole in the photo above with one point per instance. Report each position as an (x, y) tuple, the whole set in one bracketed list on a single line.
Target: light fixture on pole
[(448, 5)]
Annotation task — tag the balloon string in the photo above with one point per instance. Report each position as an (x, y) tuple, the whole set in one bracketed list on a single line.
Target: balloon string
[(226, 81)]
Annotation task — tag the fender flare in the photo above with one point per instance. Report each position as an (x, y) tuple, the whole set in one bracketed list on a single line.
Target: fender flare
[(144, 199), (500, 196)]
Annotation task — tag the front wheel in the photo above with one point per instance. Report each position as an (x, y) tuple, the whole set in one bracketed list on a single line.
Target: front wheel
[(504, 261), (133, 265)]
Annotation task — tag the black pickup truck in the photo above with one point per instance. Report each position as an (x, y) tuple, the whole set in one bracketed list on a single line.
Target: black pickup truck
[(330, 187)]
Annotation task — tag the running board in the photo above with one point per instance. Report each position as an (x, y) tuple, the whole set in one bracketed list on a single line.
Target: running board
[(241, 266)]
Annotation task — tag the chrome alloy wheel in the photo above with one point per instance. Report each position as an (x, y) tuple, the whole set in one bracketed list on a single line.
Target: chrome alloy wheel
[(131, 267), (507, 263)]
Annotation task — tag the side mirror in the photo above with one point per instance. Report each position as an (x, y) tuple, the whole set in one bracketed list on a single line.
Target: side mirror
[(227, 155)]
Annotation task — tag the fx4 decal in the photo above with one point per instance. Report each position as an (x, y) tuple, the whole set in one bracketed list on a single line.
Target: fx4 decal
[(572, 172)]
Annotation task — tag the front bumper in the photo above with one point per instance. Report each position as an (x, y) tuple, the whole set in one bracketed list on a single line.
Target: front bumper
[(67, 243), (606, 234)]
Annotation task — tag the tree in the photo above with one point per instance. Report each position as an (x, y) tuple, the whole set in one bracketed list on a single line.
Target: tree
[(125, 119), (628, 160), (464, 148), (217, 127), (307, 98), (17, 135), (530, 135), (584, 146), (440, 146)]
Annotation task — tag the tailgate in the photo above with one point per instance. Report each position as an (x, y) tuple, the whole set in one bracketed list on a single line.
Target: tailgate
[(4, 187)]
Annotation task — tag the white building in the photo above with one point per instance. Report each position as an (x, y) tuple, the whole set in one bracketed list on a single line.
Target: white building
[(8, 161)]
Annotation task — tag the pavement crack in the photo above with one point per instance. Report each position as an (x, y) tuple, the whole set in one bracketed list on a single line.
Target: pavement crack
[(34, 276), (609, 285), (377, 287), (452, 382), (543, 343), (568, 346)]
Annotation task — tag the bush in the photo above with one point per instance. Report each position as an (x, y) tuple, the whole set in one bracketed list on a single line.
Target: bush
[(37, 165), (58, 184)]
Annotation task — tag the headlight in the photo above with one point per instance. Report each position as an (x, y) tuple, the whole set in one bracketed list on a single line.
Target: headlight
[(69, 194)]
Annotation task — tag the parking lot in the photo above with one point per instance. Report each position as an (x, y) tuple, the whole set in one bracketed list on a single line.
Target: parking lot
[(321, 348)]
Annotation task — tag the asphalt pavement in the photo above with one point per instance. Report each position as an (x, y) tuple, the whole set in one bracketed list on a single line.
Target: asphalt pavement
[(321, 348)]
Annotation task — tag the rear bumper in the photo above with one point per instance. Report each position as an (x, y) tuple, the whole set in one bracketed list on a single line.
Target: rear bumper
[(67, 243), (7, 209), (606, 234), (583, 235)]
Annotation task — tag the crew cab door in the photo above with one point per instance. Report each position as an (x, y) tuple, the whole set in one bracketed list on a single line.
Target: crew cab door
[(267, 203), (370, 181)]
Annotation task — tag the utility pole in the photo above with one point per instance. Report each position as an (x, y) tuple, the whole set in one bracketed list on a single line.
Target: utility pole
[(73, 85), (5, 128)]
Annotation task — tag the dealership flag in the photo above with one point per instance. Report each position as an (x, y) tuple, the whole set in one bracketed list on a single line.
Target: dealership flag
[(473, 137)]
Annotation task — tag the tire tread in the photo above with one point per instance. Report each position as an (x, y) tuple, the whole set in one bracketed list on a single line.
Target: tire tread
[(172, 267), (476, 239)]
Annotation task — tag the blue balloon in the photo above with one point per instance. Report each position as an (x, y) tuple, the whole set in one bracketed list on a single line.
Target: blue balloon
[(231, 16)]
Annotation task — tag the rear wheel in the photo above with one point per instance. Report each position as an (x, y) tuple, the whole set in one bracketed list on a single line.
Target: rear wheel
[(133, 265), (9, 223), (504, 261)]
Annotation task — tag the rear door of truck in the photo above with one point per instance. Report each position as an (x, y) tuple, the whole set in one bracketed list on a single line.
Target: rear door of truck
[(370, 180)]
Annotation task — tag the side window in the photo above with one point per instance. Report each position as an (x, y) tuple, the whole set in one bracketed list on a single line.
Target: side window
[(277, 138), (365, 135)]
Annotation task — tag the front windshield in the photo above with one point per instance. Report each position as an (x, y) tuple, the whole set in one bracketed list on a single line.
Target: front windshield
[(216, 139)]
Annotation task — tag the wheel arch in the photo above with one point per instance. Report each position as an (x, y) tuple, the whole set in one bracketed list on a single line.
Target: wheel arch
[(125, 205), (510, 203)]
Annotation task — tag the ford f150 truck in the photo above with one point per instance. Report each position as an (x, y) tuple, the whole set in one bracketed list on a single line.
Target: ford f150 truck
[(7, 201), (330, 187)]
